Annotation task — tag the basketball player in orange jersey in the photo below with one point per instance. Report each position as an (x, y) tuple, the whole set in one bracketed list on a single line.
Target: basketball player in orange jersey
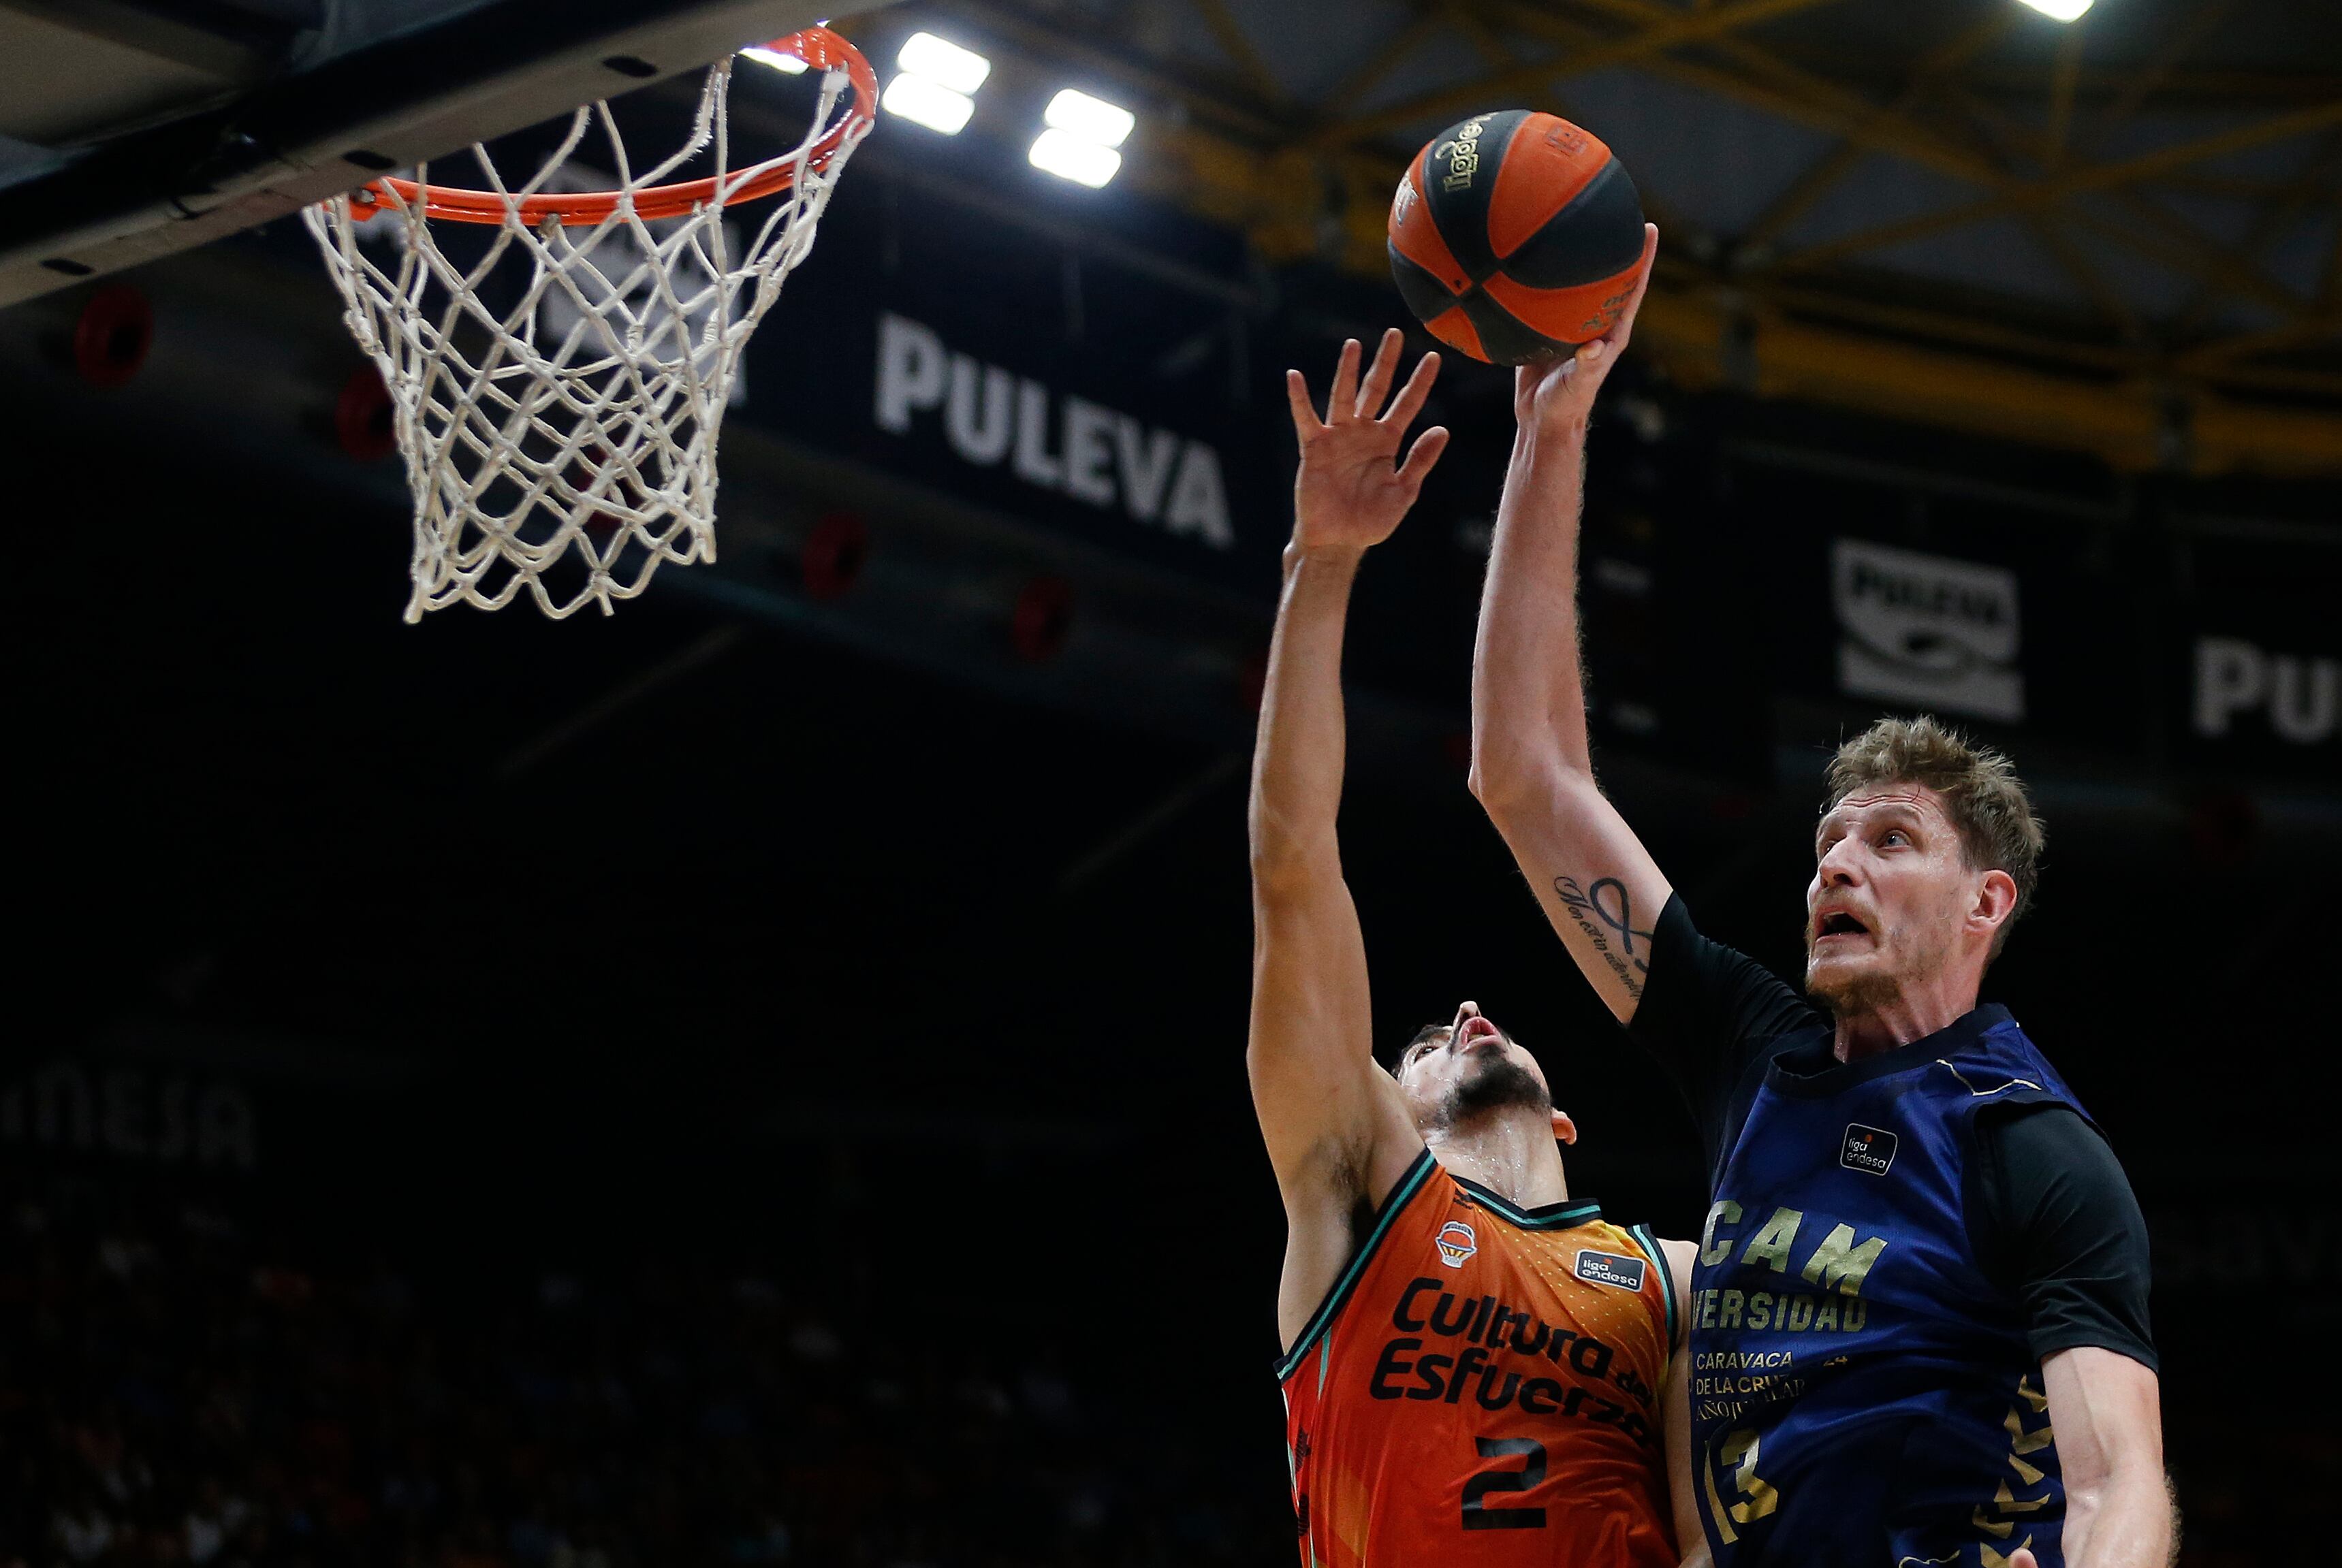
[(1474, 1360)]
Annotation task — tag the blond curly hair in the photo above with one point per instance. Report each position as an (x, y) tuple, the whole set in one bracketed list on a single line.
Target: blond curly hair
[(1988, 803)]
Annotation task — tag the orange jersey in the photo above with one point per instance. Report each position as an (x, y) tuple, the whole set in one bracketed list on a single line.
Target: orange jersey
[(1480, 1390)]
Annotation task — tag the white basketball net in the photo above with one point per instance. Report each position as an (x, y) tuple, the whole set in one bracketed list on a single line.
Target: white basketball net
[(566, 440)]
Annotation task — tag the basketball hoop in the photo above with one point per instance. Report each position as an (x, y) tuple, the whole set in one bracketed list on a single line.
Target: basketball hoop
[(564, 436)]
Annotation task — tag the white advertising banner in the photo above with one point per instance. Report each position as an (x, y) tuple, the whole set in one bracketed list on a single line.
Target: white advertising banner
[(1926, 630)]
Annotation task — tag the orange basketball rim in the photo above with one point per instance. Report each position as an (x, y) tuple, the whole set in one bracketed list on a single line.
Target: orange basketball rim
[(818, 47)]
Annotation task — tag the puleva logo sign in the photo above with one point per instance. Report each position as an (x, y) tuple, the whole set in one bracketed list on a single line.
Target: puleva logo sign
[(2297, 695), (1058, 442), (1927, 629)]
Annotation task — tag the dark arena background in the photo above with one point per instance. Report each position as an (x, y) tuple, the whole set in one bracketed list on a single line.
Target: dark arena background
[(757, 1078)]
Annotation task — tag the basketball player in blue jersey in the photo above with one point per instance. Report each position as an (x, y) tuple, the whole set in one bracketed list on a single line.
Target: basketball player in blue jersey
[(1920, 1332)]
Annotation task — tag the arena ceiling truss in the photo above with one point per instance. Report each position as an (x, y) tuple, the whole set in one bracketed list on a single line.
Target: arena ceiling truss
[(2122, 234)]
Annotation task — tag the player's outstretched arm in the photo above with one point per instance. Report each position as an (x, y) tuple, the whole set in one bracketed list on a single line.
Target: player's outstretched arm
[(1531, 767), (2107, 1411), (1683, 1498), (1337, 1132)]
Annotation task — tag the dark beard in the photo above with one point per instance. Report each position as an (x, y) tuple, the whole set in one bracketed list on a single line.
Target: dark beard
[(1502, 1085)]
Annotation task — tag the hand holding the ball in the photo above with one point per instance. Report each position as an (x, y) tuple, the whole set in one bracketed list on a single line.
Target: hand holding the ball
[(1347, 497), (1557, 393)]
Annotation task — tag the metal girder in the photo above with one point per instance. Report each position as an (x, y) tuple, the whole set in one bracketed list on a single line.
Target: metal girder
[(1865, 125), (2172, 242), (2061, 92), (2239, 189), (2280, 210), (1839, 161), (2186, 250), (1794, 95), (1667, 30), (2073, 181), (2129, 424), (2191, 30), (2179, 89), (1418, 31), (2047, 230), (1303, 183), (1233, 40), (1058, 38), (2214, 358)]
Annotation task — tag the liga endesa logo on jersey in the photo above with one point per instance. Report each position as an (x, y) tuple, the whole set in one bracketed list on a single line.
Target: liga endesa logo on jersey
[(1870, 1150), (1456, 1242), (1609, 1269)]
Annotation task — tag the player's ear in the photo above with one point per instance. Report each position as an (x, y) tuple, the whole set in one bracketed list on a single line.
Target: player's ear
[(1565, 1131), (1996, 899)]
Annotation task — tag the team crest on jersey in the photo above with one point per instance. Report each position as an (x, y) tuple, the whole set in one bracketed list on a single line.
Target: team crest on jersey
[(1869, 1150), (1456, 1242), (1609, 1269)]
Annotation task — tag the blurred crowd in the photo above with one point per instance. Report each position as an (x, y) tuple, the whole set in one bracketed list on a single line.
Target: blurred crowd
[(175, 1391), (190, 1384)]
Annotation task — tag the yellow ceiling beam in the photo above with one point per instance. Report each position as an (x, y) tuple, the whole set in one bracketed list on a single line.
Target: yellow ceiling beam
[(2112, 404), (1811, 340), (1667, 30), (2073, 180), (1833, 167), (1237, 45), (2129, 424)]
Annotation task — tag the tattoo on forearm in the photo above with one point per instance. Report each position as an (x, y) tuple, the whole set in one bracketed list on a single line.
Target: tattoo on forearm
[(1589, 904)]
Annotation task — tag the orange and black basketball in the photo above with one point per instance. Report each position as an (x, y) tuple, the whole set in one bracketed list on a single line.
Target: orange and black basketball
[(1515, 236)]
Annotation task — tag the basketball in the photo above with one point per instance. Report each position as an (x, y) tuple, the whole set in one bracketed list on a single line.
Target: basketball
[(1515, 236)]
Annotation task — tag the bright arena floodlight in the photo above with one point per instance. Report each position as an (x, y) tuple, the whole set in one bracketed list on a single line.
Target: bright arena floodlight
[(937, 85), (2060, 10), (1069, 157), (1084, 131), (926, 102), (1091, 119), (788, 65), (943, 63)]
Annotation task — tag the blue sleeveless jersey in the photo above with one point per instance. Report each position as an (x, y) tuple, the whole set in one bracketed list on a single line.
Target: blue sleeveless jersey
[(1861, 1396)]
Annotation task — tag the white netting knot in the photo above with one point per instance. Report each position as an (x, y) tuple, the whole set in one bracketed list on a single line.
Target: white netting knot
[(558, 394)]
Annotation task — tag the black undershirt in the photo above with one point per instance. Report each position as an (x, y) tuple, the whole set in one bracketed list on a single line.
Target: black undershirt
[(2051, 1216)]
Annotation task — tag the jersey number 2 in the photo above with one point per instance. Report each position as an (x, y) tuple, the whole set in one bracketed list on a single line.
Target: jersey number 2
[(1477, 1514)]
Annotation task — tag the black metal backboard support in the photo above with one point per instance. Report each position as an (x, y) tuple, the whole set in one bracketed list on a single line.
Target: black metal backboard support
[(167, 181)]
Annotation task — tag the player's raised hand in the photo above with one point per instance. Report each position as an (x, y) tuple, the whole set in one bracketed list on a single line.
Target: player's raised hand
[(1348, 495), (2022, 1558), (1560, 393)]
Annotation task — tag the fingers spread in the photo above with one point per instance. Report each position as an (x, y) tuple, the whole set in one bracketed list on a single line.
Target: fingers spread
[(1378, 375), (1344, 395), (1409, 401), (1421, 456), (1305, 422)]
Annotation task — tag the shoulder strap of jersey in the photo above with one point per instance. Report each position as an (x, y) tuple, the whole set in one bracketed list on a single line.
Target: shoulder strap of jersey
[(1323, 1318), (1659, 1256)]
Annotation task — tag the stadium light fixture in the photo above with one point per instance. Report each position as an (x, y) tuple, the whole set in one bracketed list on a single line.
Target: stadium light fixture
[(1091, 119), (937, 87), (1067, 156), (2060, 10), (943, 63), (787, 64), (1084, 131), (923, 101)]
